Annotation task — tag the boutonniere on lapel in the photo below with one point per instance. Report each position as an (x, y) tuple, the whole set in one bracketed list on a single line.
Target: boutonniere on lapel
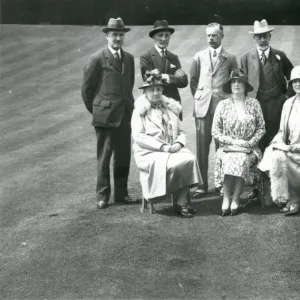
[(224, 55), (278, 57)]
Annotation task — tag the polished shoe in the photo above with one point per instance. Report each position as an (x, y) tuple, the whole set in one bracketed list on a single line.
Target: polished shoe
[(200, 193), (294, 209), (234, 211), (191, 209), (225, 212), (183, 212), (102, 205)]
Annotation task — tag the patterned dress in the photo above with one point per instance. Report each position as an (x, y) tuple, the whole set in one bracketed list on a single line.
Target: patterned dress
[(229, 125)]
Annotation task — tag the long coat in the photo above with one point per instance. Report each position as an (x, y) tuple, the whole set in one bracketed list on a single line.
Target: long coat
[(152, 60), (282, 67), (207, 81), (107, 87), (147, 134)]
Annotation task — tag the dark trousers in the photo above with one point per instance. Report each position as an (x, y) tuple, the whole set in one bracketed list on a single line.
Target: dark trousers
[(271, 108), (203, 140), (115, 141)]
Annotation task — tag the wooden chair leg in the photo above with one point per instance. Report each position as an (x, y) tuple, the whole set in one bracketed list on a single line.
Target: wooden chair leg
[(144, 205), (152, 209)]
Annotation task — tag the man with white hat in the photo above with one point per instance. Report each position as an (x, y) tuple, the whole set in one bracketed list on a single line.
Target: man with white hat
[(165, 62), (268, 70), (107, 93)]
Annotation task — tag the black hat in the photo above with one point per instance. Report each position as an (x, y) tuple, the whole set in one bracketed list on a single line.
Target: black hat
[(160, 25), (115, 25), (153, 79), (237, 74)]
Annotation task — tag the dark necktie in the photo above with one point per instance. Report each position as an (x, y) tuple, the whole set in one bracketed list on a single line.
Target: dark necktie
[(117, 56), (163, 54), (263, 58), (215, 53)]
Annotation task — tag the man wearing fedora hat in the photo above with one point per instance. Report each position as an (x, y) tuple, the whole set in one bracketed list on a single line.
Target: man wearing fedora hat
[(268, 70), (210, 69), (164, 61), (107, 93)]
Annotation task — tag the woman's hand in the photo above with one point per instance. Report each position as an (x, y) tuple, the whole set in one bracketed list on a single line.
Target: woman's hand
[(165, 148), (175, 147), (295, 148), (240, 143)]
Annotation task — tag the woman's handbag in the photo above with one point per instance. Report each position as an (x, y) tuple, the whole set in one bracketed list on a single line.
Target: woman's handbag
[(232, 148)]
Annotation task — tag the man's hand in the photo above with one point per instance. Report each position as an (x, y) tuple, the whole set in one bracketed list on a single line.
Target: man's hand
[(240, 143), (155, 72), (179, 72), (165, 148), (175, 147), (295, 148)]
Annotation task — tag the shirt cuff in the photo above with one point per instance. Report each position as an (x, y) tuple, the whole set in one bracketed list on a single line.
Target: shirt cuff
[(166, 77)]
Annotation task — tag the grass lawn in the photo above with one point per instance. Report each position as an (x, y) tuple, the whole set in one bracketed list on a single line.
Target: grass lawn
[(55, 244)]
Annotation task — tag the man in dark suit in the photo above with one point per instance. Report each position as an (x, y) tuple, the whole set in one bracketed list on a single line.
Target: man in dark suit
[(107, 93), (164, 61), (268, 70)]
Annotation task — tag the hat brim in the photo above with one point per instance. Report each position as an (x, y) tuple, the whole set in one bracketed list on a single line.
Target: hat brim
[(152, 32), (290, 81), (150, 85), (261, 31), (227, 86), (107, 29)]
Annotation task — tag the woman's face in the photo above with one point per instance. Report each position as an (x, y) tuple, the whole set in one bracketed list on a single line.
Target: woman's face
[(296, 86), (154, 93), (237, 86)]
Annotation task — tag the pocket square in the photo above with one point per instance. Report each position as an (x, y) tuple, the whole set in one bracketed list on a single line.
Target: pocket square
[(172, 66)]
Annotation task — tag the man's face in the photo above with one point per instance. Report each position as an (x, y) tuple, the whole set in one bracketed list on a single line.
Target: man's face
[(262, 40), (115, 39), (162, 39), (214, 36)]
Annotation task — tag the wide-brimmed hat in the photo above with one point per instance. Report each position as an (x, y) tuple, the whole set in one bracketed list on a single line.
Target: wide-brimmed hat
[(237, 74), (261, 27), (161, 25), (153, 79), (295, 74), (115, 25)]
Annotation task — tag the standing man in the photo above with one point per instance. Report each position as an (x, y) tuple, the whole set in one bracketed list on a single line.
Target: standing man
[(268, 70), (107, 93), (164, 61), (209, 71)]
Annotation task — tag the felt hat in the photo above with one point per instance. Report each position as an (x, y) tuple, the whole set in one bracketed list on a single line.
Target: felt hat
[(161, 25), (237, 74), (115, 25), (261, 27)]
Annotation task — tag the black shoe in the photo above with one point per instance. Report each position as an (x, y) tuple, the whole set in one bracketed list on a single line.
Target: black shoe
[(191, 209), (234, 212), (128, 200), (102, 205), (200, 193), (225, 212), (183, 212)]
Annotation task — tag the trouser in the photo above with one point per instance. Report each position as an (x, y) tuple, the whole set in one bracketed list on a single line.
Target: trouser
[(271, 109), (203, 140), (115, 141)]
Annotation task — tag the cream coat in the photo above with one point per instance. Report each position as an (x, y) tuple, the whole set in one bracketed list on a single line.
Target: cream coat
[(147, 134)]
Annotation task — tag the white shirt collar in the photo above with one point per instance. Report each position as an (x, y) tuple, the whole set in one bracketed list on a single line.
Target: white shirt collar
[(218, 50), (113, 51), (159, 49), (267, 52)]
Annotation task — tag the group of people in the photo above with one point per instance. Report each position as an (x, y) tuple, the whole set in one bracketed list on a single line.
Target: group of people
[(239, 105)]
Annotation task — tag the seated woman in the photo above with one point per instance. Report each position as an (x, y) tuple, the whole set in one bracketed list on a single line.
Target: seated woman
[(282, 158), (167, 167), (238, 125)]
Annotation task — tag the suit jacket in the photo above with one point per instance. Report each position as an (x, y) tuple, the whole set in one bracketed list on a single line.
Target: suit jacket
[(107, 87), (152, 60), (207, 82), (250, 63)]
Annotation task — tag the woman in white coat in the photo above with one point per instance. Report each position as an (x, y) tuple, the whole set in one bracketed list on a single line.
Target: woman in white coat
[(167, 167)]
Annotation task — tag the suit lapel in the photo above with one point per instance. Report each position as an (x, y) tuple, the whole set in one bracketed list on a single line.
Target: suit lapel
[(256, 62), (111, 59), (208, 59), (274, 62), (158, 61), (222, 56), (124, 61)]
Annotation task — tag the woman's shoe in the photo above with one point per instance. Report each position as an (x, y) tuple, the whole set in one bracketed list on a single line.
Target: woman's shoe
[(234, 211), (183, 211), (225, 212), (191, 209)]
